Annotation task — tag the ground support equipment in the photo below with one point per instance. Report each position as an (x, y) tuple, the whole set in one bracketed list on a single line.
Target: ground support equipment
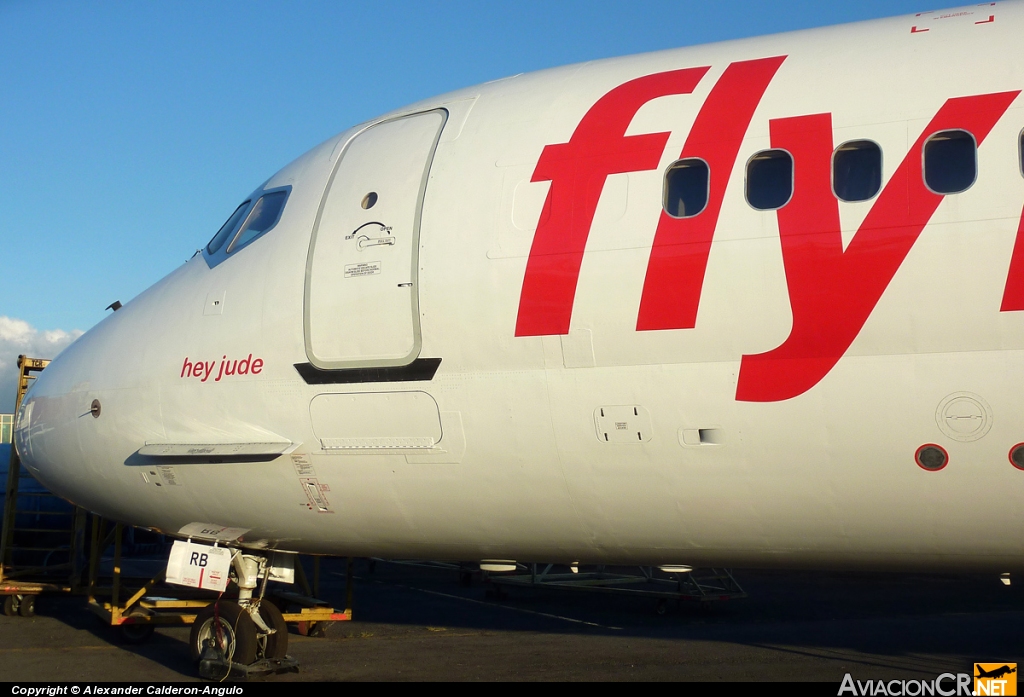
[(213, 666), (143, 611), (42, 536), (156, 604), (312, 616)]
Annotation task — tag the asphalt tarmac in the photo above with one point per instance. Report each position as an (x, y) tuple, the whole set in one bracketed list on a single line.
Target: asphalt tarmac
[(416, 623)]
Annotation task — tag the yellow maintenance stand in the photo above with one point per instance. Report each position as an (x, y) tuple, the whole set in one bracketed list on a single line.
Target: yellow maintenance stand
[(150, 606)]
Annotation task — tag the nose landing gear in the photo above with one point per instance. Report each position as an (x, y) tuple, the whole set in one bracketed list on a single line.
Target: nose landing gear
[(245, 638)]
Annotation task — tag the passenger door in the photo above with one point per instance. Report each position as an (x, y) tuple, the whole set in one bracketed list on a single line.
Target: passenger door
[(361, 296)]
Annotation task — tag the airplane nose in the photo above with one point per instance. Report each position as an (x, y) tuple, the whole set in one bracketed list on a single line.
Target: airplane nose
[(45, 431), (83, 417), (92, 408)]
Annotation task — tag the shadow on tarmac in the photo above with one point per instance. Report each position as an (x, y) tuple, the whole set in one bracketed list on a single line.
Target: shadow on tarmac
[(914, 624)]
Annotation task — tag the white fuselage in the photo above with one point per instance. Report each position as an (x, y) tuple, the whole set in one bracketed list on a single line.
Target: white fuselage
[(573, 416)]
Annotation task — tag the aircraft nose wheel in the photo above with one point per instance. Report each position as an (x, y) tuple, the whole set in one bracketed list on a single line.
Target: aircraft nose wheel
[(227, 630)]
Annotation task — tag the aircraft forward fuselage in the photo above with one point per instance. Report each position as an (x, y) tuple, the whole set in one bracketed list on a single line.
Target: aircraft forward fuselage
[(753, 303)]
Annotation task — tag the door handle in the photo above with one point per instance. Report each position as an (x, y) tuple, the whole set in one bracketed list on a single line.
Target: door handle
[(363, 241)]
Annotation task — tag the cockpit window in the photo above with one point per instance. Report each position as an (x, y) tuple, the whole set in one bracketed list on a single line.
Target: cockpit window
[(255, 217), (227, 229), (264, 215)]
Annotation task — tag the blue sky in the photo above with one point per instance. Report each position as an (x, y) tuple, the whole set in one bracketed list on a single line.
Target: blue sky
[(130, 130)]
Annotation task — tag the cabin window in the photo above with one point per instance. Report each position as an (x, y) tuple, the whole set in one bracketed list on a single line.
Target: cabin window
[(769, 179), (950, 162), (686, 188), (857, 170), (263, 216), (227, 229)]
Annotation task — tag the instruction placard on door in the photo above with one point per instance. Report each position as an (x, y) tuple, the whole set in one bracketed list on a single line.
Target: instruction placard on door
[(365, 268), (199, 566)]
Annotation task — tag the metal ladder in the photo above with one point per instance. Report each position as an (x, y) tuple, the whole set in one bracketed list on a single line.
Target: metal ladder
[(42, 534)]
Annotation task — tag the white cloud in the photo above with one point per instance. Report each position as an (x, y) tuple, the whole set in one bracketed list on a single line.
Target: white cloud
[(18, 337)]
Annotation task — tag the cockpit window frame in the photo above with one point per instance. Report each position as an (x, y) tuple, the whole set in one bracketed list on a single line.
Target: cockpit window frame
[(229, 228), (235, 245), (229, 248)]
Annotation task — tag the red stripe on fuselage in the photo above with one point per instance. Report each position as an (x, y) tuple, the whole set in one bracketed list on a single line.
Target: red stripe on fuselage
[(833, 292), (679, 257), (577, 171)]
